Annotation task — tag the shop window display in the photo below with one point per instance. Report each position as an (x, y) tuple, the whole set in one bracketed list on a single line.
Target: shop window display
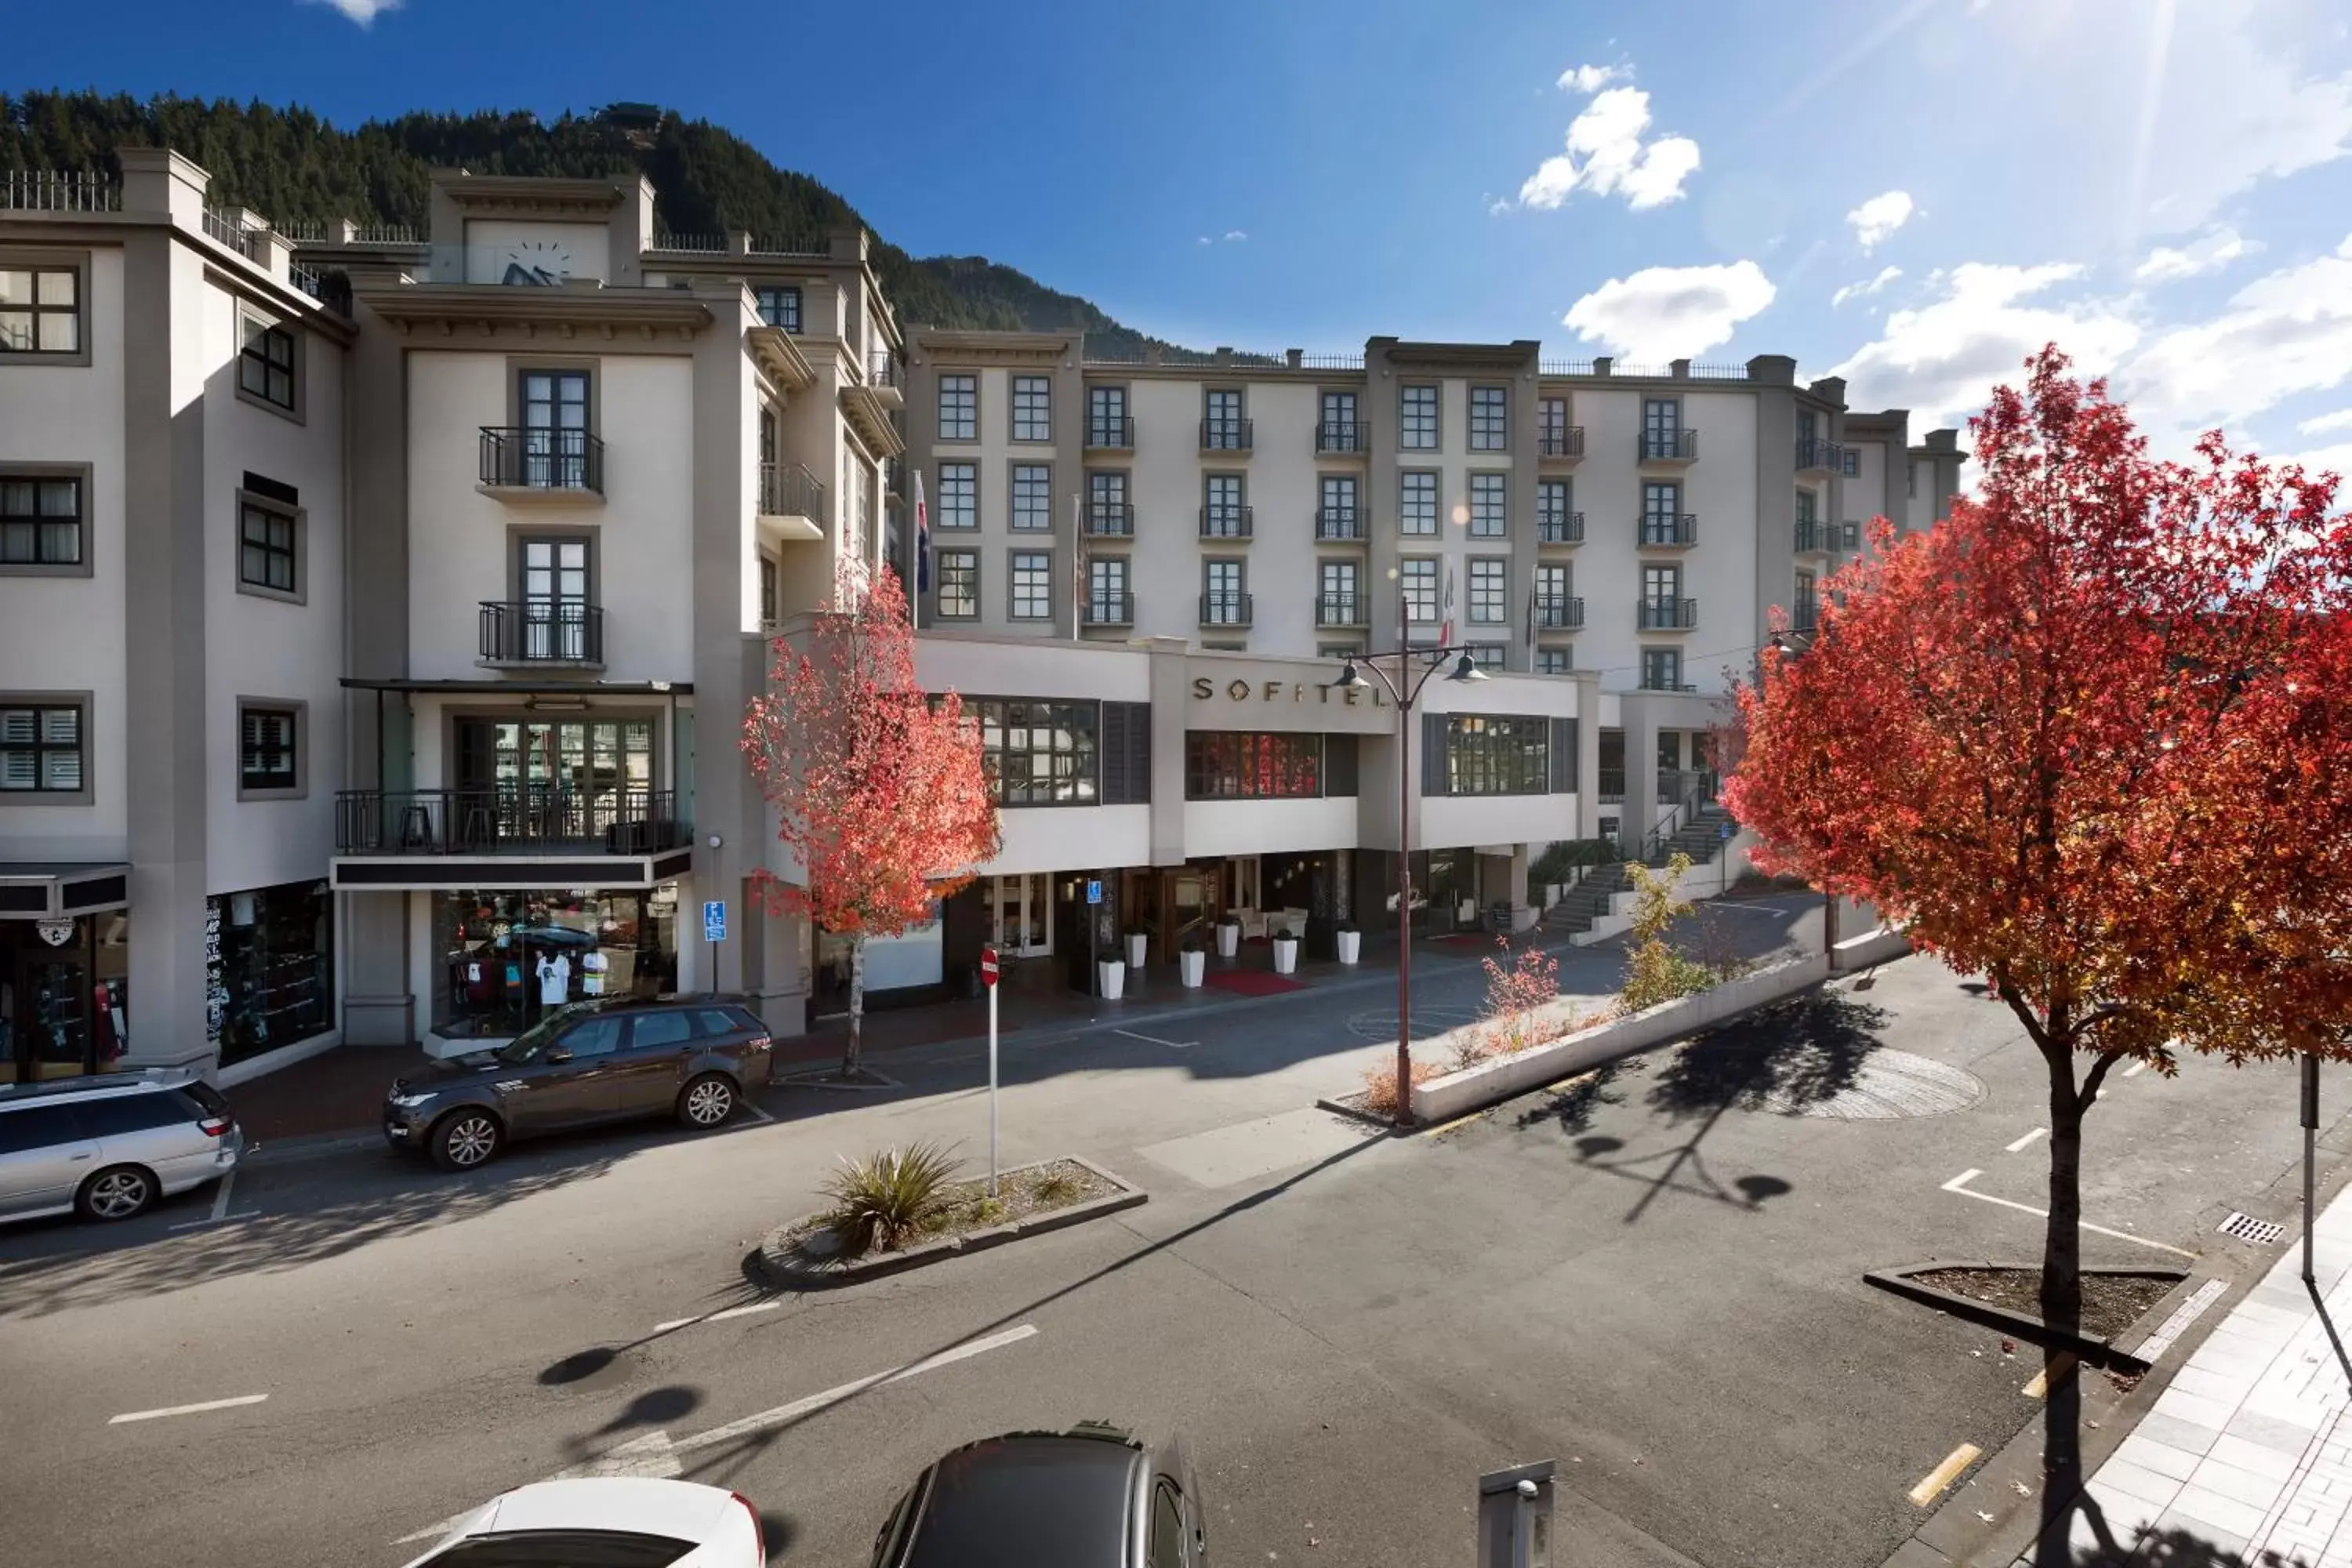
[(508, 958), (274, 980), (65, 996)]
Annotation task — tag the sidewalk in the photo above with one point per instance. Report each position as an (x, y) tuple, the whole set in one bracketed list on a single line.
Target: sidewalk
[(2247, 1451)]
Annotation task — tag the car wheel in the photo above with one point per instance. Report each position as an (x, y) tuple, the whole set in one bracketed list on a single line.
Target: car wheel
[(119, 1192), (708, 1100), (465, 1139)]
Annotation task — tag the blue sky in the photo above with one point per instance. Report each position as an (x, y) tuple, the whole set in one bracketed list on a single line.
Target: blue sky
[(1911, 193)]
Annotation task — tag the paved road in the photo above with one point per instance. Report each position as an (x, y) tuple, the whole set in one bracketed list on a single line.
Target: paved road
[(1654, 1277)]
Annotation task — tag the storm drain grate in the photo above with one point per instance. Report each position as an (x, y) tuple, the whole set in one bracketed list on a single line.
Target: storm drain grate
[(2246, 1227)]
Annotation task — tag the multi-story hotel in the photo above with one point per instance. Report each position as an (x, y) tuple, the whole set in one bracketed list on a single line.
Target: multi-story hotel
[(378, 609)]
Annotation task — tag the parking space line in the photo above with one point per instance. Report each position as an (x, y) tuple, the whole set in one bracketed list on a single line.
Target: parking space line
[(781, 1415), (185, 1409), (2029, 1138), (220, 1198), (1155, 1040), (1959, 1185), (751, 1108), (2135, 1070), (1931, 1485), (718, 1317)]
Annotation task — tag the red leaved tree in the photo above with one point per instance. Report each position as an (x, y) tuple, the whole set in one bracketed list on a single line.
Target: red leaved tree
[(2089, 739), (880, 792)]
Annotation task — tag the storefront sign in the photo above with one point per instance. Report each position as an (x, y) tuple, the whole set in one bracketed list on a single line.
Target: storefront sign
[(1205, 690), (57, 933), (215, 980)]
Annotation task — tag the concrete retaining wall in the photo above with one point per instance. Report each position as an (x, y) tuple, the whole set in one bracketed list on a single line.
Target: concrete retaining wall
[(1877, 946)]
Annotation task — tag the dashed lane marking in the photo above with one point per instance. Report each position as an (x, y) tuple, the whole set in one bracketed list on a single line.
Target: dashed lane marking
[(1959, 1185), (1931, 1485), (753, 1308), (2029, 1138), (751, 1107), (185, 1409), (2135, 1070)]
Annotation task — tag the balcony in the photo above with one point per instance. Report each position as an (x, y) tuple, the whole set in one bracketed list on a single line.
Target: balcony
[(508, 821), (1557, 613), (1108, 519), (1341, 610), (1338, 525), (1224, 609), (1668, 445), (1107, 609), (1108, 433), (1566, 529), (1342, 438), (1612, 786), (1667, 530), (885, 378), (1226, 436), (792, 501), (1806, 617), (1228, 522), (541, 634), (1818, 457), (536, 463), (1563, 445), (1667, 615), (1659, 683)]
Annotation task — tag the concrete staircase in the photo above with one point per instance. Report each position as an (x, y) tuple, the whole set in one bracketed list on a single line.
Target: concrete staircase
[(1700, 836)]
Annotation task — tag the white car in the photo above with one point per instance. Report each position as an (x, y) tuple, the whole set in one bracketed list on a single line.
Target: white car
[(614, 1522)]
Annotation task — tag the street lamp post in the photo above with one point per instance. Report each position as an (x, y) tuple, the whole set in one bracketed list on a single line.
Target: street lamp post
[(1403, 690)]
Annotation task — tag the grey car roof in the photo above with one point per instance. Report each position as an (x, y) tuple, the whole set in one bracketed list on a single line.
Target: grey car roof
[(1028, 1501)]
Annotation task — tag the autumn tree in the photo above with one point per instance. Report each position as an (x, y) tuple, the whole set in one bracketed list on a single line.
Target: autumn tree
[(2090, 740), (879, 790)]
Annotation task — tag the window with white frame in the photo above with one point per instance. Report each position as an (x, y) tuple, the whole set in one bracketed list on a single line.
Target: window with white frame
[(1489, 589), (1033, 408), (959, 495), (1032, 586), (1418, 431), (960, 407), (1490, 423), (1033, 497), (959, 584), (1417, 502), (1417, 582)]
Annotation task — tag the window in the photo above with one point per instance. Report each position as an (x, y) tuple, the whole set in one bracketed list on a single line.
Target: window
[(1419, 431), (1339, 603), (1489, 419), (1850, 462), (1485, 654), (1551, 597), (1032, 497), (41, 748), (1417, 502), (555, 451), (1338, 650), (1489, 505), (1037, 753), (593, 1038), (1337, 431), (1220, 764), (1554, 660), (959, 584), (1809, 427), (1551, 426), (1488, 590), (1338, 514), (960, 407), (269, 549), (1662, 506), (778, 306), (767, 591), (1551, 511), (1804, 610), (1489, 754), (650, 1029), (1222, 602), (265, 363), (1106, 417), (1032, 586), (1107, 503), (1911, 482), (40, 310), (1662, 669), (269, 749), (1809, 508), (554, 618), (41, 520), (1107, 600), (1662, 584), (1033, 408), (1661, 421), (1222, 428), (1222, 515), (1417, 581), (959, 495)]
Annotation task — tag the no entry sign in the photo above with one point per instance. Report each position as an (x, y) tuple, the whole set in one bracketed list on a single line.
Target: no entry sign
[(988, 966)]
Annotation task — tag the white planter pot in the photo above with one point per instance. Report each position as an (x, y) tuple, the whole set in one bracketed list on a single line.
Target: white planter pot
[(1137, 944), (1466, 913), (1112, 974), (1285, 955), (1351, 946), (1192, 966), (1229, 940)]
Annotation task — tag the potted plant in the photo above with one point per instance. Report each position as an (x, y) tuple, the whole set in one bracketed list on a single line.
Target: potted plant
[(1350, 941), (1110, 974), (1191, 962), (1229, 936), (1286, 950), (1138, 942)]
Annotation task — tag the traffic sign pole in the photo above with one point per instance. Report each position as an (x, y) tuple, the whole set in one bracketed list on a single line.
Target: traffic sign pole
[(988, 978)]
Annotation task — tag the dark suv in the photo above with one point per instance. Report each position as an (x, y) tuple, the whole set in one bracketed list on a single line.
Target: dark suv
[(1092, 1496), (605, 1059)]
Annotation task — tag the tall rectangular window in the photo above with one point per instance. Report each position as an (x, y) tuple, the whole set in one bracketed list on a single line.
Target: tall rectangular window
[(40, 520), (1417, 502), (1106, 508), (1418, 432), (41, 748), (1662, 669), (959, 584), (1033, 497), (780, 306), (1107, 599), (1038, 754), (1336, 431), (1223, 428), (1552, 507), (1804, 609), (1417, 582), (1809, 508), (40, 310), (268, 550), (1554, 660), (1033, 408), (959, 495), (265, 361), (1106, 417), (1490, 423), (1662, 584), (1336, 518), (1551, 426), (1489, 589), (1223, 602), (1032, 586), (1222, 513), (1337, 602), (960, 407), (1224, 765), (1489, 505), (1551, 589), (267, 748)]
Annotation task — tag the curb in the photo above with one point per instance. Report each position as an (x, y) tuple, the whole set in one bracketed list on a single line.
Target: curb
[(2089, 1348), (774, 1266)]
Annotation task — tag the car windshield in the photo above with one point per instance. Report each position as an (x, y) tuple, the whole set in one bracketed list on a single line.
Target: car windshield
[(566, 1548), (532, 1042)]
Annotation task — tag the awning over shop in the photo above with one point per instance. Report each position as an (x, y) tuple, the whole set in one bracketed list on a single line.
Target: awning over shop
[(49, 891), (521, 873)]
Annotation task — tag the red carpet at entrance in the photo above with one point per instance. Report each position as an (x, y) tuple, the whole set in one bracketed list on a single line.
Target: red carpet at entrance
[(1254, 983)]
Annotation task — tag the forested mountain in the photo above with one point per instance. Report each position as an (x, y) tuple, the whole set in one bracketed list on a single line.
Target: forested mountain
[(298, 169)]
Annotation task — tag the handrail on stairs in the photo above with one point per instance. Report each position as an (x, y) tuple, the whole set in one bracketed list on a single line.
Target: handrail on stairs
[(1692, 788)]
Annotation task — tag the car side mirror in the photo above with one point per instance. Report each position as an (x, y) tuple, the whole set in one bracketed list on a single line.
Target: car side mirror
[(558, 1053)]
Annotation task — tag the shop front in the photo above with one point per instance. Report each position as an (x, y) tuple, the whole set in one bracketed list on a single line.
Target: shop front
[(269, 968), (65, 969), (504, 958)]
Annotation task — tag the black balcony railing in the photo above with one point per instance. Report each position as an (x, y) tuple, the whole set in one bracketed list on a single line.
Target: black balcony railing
[(1805, 618), (1224, 609), (1109, 519), (1813, 538), (1226, 436), (1227, 522), (1668, 531), (1340, 610), (1667, 615), (1813, 453), (541, 631), (1660, 683), (1612, 786), (535, 458), (1110, 433), (788, 489), (511, 821), (1568, 528), (1567, 443), (1557, 613), (1686, 787), (1669, 446), (1109, 609), (1338, 523), (882, 369), (1343, 436)]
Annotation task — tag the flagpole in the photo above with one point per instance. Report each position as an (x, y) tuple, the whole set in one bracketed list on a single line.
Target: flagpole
[(922, 543), (1077, 567)]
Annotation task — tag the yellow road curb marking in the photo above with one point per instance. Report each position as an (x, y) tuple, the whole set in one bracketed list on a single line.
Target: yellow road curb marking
[(1931, 1486), (1546, 1089), (2059, 1365)]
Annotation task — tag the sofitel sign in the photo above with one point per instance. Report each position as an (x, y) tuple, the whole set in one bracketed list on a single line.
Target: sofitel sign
[(1205, 690)]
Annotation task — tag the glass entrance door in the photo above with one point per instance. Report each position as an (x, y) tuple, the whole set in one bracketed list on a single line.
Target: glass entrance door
[(555, 429), (1023, 923)]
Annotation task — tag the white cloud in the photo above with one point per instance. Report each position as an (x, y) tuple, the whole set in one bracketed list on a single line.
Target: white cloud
[(1667, 312), (1234, 234), (1204, 239), (2209, 252), (2336, 459), (1591, 78), (1854, 290), (363, 12), (1606, 155), (1880, 216), (2321, 423), (2285, 333), (1941, 359)]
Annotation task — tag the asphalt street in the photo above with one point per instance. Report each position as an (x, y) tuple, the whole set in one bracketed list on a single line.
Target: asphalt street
[(1652, 1275)]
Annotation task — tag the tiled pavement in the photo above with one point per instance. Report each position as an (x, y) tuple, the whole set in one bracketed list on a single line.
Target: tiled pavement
[(2247, 1449)]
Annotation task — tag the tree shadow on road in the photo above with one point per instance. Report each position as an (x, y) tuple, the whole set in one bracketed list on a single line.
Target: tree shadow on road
[(1573, 1106), (1803, 1052)]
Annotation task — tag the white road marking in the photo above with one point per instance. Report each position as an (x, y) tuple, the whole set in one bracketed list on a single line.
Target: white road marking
[(751, 1107), (185, 1409), (718, 1317), (2135, 1069), (220, 1198), (1154, 1040), (1959, 1185), (2029, 1138)]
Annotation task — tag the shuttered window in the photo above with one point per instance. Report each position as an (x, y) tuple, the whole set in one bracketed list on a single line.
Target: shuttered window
[(267, 749), (41, 749), (1563, 756), (1127, 753)]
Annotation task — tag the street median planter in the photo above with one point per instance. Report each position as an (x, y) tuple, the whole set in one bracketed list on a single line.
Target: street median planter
[(804, 1254), (2122, 1304)]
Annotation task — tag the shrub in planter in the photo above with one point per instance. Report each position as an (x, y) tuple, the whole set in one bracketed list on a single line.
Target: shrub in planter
[(1286, 950), (1350, 941), (888, 1199), (1381, 1085)]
